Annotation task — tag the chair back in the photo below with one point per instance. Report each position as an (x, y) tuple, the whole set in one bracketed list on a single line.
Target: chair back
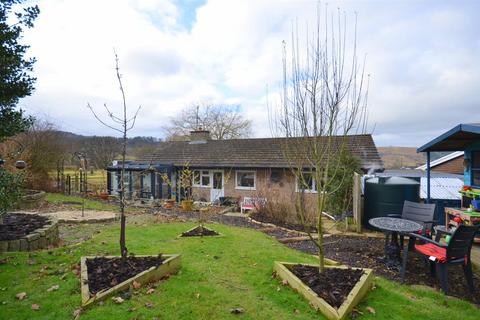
[(418, 212), (461, 242)]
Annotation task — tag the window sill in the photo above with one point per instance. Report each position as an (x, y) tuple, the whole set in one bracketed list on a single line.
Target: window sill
[(307, 191), (199, 186), (245, 188)]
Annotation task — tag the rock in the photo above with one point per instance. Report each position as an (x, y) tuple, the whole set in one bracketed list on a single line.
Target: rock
[(53, 288), (150, 291), (136, 285), (118, 300), (21, 295), (237, 310)]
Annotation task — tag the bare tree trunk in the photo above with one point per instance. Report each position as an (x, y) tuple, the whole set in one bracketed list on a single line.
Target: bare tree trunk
[(123, 246), (123, 126)]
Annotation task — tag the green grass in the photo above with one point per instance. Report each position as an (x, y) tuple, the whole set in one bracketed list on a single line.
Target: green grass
[(76, 202), (217, 274)]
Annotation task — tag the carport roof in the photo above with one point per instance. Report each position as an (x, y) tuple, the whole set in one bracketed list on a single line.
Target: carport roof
[(455, 139)]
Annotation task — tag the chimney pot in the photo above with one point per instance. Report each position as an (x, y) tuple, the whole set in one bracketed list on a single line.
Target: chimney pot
[(199, 136)]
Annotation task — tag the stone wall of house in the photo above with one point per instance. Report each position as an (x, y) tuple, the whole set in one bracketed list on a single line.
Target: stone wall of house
[(280, 191)]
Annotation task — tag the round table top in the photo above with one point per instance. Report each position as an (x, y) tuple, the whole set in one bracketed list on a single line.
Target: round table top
[(395, 224)]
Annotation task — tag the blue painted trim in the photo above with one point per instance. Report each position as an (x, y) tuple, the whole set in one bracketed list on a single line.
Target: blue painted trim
[(428, 176), (467, 172), (461, 127)]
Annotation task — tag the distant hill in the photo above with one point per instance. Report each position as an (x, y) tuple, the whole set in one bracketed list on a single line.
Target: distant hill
[(401, 157), (405, 157), (136, 146)]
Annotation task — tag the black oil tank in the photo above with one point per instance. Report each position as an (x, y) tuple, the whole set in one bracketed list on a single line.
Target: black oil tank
[(385, 195)]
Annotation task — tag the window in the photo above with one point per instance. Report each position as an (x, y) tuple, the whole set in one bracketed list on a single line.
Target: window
[(245, 180), (306, 182), (276, 176), (196, 178), (476, 168), (201, 178)]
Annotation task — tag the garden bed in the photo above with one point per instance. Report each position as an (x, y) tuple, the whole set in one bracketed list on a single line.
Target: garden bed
[(32, 199), (259, 217), (103, 277), (333, 285), (199, 231), (366, 252), (27, 232), (335, 292)]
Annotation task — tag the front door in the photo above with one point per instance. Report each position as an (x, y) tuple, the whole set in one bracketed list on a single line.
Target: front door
[(217, 185)]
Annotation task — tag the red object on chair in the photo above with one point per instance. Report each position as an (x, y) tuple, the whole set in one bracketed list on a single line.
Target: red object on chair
[(432, 250)]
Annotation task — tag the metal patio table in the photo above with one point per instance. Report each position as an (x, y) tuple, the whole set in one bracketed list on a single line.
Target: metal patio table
[(392, 227)]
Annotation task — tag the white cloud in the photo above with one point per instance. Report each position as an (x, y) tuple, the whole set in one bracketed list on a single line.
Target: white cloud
[(422, 57)]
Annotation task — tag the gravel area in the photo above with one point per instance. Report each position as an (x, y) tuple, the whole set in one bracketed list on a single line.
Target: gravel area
[(76, 215), (193, 216)]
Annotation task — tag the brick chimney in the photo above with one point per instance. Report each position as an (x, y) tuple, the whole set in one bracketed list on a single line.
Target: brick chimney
[(199, 136)]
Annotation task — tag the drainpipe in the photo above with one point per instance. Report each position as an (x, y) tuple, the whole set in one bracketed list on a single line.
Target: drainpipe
[(428, 176)]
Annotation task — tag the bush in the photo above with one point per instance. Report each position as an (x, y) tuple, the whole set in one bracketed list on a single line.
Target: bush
[(10, 189)]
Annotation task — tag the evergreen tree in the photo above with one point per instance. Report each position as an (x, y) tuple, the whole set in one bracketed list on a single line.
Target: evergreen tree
[(15, 79)]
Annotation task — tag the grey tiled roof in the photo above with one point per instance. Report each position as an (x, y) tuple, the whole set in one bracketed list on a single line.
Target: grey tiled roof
[(251, 153)]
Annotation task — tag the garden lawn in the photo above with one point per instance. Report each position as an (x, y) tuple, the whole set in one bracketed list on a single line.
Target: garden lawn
[(76, 202), (217, 275)]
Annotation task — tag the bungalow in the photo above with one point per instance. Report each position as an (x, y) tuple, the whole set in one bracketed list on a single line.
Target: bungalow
[(225, 168)]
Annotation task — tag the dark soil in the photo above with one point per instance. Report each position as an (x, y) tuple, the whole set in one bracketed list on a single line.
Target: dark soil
[(369, 253), (281, 233), (333, 285), (200, 232), (104, 273), (18, 225), (267, 219)]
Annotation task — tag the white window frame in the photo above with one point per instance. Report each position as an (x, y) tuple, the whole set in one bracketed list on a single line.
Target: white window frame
[(314, 190), (246, 188), (201, 174)]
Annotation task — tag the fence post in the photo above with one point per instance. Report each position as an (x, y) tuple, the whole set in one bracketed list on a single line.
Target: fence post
[(69, 184), (75, 184), (357, 201)]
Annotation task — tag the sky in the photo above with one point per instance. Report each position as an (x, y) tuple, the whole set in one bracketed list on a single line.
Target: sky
[(422, 56)]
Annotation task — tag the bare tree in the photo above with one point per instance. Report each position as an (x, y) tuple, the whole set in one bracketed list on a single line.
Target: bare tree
[(223, 122), (102, 151), (323, 102), (123, 125)]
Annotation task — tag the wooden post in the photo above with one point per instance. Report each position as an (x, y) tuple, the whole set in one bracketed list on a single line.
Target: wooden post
[(357, 201), (69, 185)]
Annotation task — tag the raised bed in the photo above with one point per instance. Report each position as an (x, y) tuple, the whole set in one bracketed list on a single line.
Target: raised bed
[(42, 233), (284, 271), (199, 231), (32, 199), (169, 266)]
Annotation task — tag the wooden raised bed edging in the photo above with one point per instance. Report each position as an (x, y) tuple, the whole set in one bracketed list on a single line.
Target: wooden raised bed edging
[(219, 235), (360, 290), (170, 266)]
